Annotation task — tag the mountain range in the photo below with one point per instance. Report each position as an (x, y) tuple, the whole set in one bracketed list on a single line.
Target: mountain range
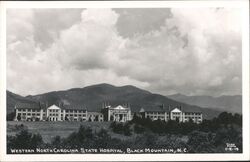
[(225, 103), (92, 97)]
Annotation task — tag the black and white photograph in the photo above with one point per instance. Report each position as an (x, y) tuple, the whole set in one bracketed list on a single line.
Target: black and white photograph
[(125, 81)]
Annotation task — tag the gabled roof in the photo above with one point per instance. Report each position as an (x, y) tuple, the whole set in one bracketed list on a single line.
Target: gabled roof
[(54, 107), (176, 110), (120, 107)]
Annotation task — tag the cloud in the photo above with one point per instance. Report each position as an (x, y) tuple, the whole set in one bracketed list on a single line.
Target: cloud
[(164, 51), (86, 45), (134, 21), (49, 22)]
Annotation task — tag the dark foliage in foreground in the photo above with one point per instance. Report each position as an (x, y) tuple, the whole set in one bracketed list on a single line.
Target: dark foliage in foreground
[(24, 140), (211, 136), (11, 116)]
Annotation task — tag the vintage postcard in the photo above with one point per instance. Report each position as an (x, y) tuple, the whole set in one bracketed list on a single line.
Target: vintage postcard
[(124, 81)]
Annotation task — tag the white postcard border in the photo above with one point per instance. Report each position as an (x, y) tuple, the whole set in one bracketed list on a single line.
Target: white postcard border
[(243, 4)]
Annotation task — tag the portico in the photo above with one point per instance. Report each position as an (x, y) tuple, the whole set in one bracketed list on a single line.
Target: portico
[(54, 113), (118, 113)]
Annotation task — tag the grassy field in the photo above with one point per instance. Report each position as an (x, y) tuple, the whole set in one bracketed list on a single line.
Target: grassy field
[(48, 130)]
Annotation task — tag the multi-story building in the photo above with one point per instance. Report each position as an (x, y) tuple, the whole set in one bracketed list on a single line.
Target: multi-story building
[(159, 113), (30, 112), (118, 113), (42, 112)]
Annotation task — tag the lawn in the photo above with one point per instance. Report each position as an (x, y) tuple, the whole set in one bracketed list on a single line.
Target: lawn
[(48, 130)]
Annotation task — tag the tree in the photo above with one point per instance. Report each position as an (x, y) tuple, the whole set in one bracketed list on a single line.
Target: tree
[(135, 119), (56, 141), (24, 140), (11, 116), (225, 118), (139, 129), (200, 142)]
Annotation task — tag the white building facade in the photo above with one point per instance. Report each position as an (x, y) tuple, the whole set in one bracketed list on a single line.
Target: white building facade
[(119, 113), (38, 112), (174, 114)]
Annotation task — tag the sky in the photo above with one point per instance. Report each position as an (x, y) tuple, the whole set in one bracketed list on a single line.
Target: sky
[(163, 50)]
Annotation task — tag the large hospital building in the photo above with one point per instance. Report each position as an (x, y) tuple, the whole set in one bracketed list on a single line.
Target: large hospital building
[(119, 113)]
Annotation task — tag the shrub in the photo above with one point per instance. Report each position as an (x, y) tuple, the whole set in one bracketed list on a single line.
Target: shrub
[(24, 140)]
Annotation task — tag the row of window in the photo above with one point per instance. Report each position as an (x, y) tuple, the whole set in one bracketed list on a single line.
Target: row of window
[(75, 111), (174, 113), (175, 116), (155, 113), (193, 117), (154, 116), (96, 115), (192, 113), (80, 115), (29, 114), (52, 110), (27, 110), (69, 111)]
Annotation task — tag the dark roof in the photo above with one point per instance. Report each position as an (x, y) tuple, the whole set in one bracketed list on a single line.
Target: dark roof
[(72, 107), (154, 109), (30, 106)]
